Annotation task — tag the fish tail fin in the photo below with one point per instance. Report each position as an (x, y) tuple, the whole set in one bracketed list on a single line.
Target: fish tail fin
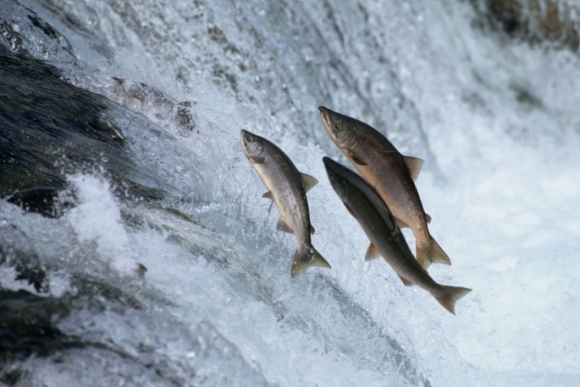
[(431, 252), (304, 259), (450, 295)]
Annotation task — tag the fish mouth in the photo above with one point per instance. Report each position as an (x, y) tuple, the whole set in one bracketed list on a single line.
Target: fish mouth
[(325, 118), (245, 138), (245, 135), (334, 125), (331, 170), (331, 166)]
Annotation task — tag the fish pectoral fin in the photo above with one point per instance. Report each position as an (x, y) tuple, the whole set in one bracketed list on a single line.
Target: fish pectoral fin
[(308, 181), (427, 218), (372, 253), (414, 165), (406, 282), (268, 195), (256, 160), (392, 223), (355, 158), (283, 226)]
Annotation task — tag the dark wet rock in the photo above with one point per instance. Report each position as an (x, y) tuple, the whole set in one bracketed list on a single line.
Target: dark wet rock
[(29, 331), (47, 201), (28, 322), (27, 266), (49, 127), (141, 97), (100, 293), (22, 31), (27, 325), (34, 274), (554, 23), (70, 333)]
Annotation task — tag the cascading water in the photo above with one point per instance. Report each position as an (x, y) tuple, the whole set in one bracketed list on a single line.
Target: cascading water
[(156, 261)]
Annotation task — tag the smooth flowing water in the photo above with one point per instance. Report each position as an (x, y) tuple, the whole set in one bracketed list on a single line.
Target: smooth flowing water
[(495, 120)]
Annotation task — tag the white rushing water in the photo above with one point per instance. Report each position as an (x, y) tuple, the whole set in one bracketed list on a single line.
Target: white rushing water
[(495, 121)]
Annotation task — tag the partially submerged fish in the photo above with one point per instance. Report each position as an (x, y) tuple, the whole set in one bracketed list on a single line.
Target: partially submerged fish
[(390, 173), (386, 238), (287, 188)]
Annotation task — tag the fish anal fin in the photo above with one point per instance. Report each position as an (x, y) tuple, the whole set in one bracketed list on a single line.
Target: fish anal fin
[(256, 160), (308, 181), (406, 282), (414, 165), (283, 226), (372, 253), (268, 195), (355, 158)]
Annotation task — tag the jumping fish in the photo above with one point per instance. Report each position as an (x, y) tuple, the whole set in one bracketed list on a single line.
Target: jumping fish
[(390, 173), (287, 188), (386, 238)]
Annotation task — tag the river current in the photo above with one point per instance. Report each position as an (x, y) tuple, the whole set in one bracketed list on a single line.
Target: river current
[(158, 262)]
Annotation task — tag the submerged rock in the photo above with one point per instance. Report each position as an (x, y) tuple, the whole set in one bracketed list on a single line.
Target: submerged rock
[(49, 128), (27, 325), (23, 32), (534, 21)]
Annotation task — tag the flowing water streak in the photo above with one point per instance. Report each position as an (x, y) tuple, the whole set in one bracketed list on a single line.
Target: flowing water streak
[(439, 88)]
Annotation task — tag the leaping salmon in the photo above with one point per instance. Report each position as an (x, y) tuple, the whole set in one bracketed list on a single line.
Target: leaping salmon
[(386, 238), (390, 173), (287, 187)]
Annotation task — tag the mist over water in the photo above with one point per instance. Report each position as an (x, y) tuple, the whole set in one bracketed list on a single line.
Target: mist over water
[(495, 120)]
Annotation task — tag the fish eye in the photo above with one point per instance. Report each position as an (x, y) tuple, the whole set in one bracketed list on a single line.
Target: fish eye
[(248, 138)]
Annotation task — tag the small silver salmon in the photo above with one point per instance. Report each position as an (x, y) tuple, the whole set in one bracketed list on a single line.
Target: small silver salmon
[(287, 187)]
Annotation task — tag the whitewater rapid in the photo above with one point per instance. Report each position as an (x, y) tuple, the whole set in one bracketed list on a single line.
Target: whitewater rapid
[(496, 122)]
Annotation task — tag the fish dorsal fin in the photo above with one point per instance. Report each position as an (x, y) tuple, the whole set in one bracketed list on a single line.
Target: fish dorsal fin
[(257, 160), (308, 181), (372, 253), (283, 226), (406, 281), (268, 195), (414, 165), (427, 218), (355, 158), (312, 230)]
